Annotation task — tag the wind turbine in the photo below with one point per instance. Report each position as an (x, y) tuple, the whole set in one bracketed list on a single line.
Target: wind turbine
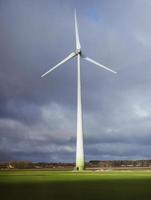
[(78, 54)]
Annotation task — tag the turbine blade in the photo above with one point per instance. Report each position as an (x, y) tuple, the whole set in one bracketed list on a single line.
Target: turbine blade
[(98, 64), (72, 55), (78, 46)]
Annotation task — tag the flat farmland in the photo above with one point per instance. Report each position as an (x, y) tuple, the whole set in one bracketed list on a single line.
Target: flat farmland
[(60, 185)]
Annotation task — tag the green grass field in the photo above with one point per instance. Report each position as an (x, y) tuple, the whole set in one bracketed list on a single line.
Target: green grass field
[(51, 185)]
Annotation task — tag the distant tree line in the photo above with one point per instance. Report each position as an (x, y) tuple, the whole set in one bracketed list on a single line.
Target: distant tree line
[(31, 165), (90, 164), (119, 163)]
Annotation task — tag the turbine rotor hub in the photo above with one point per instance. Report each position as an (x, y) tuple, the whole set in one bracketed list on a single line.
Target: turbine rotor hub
[(78, 51)]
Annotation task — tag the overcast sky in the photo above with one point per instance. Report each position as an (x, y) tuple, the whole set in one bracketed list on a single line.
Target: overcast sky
[(38, 116)]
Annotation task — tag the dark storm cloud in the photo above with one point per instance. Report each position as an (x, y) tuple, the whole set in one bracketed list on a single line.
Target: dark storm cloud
[(20, 111), (38, 116)]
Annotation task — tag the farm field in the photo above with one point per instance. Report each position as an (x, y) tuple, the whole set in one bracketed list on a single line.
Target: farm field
[(60, 185)]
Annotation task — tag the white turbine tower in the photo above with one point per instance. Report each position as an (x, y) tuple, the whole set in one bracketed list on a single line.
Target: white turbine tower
[(78, 53)]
